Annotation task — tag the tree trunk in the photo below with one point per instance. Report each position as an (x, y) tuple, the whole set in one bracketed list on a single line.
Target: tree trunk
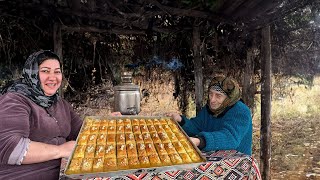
[(197, 61), (57, 45), (265, 136)]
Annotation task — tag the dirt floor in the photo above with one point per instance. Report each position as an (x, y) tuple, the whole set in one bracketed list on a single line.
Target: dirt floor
[(295, 149)]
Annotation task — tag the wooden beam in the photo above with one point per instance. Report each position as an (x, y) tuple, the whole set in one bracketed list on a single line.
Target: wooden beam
[(189, 12), (109, 31), (265, 133), (198, 74)]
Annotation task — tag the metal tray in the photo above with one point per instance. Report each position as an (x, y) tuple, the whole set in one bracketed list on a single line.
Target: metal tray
[(140, 170)]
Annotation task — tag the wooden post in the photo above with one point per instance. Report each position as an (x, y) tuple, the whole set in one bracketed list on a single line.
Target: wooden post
[(57, 39), (265, 133), (57, 47), (197, 61), (247, 95)]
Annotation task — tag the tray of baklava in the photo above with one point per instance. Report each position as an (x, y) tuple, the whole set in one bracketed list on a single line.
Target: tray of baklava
[(119, 145)]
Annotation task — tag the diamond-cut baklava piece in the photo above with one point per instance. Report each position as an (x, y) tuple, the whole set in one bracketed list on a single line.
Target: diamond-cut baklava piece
[(97, 164), (79, 151), (75, 166), (87, 165), (110, 164), (144, 161)]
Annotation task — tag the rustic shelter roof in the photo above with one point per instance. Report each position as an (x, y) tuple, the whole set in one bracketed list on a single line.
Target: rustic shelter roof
[(141, 16)]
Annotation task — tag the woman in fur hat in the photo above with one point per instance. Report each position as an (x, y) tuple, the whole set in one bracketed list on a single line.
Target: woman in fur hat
[(224, 123)]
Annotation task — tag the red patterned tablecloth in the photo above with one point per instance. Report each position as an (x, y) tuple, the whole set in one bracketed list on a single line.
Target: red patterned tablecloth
[(230, 165)]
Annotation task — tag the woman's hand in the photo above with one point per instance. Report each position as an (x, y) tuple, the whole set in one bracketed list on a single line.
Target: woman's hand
[(196, 141), (115, 114), (65, 149), (175, 116), (41, 152)]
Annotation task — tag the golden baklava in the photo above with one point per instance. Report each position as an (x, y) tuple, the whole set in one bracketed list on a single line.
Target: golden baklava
[(111, 139), (79, 151), (120, 122), (163, 121), (105, 145), (97, 165), (75, 166), (110, 151), (155, 138), (90, 150), (103, 129), (156, 122), (141, 148), (110, 164), (112, 122), (185, 157), (94, 129), (86, 166), (151, 128), (100, 150), (127, 122), (133, 162), (149, 122), (121, 151), (144, 129), (175, 158), (104, 122), (144, 161), (132, 150), (170, 148), (138, 138), (161, 150), (134, 122), (165, 159), (136, 129), (127, 128), (121, 139), (154, 160), (122, 163), (111, 129), (150, 149), (120, 129), (82, 139), (142, 122), (92, 139), (102, 139), (96, 122), (179, 147), (129, 138), (86, 129), (147, 138)]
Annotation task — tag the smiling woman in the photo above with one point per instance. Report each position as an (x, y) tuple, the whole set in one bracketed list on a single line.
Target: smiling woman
[(50, 76), (37, 126)]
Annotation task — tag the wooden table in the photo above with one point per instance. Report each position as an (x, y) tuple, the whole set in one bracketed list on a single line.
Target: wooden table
[(221, 165)]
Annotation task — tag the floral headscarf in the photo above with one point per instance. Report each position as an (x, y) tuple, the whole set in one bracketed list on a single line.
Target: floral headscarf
[(230, 88), (29, 85)]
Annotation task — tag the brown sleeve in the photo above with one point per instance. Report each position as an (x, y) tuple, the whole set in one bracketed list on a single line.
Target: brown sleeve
[(14, 123)]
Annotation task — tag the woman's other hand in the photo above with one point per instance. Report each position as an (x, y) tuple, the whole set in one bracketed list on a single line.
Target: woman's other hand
[(115, 114), (196, 141), (175, 116)]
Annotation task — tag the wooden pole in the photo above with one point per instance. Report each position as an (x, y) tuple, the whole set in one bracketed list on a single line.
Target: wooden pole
[(247, 95), (265, 133), (197, 61), (57, 47)]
